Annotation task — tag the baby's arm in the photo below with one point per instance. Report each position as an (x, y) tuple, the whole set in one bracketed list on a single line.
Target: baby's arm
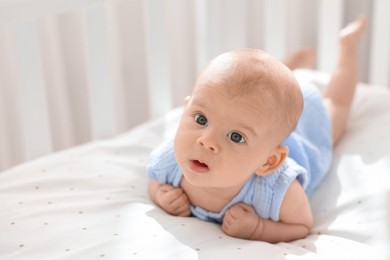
[(171, 199), (295, 222)]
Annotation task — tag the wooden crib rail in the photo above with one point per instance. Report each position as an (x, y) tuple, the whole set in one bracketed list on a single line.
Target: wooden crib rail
[(72, 71)]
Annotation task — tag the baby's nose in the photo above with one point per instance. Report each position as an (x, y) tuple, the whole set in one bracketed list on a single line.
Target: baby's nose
[(208, 144)]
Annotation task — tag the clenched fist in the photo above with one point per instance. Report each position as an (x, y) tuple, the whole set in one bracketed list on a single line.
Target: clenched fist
[(241, 221), (173, 200)]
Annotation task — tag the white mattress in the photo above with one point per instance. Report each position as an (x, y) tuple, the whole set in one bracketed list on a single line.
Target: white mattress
[(91, 201)]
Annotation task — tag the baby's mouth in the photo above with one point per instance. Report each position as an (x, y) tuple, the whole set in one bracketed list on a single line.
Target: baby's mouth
[(198, 166)]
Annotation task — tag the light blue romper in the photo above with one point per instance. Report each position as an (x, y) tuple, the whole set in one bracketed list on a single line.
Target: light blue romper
[(309, 159)]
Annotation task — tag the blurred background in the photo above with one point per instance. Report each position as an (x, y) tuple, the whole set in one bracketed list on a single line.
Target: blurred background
[(80, 70)]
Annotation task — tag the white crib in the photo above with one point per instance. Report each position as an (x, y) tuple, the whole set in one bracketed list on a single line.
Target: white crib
[(85, 72), (75, 71)]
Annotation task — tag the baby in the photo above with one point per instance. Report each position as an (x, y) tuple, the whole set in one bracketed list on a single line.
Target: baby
[(252, 144)]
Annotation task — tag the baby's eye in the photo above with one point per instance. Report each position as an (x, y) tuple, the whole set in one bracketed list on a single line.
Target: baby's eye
[(200, 119), (236, 137)]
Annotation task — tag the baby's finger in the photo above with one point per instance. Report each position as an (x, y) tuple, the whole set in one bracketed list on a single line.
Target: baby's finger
[(227, 225), (172, 195), (179, 209), (166, 187), (235, 212), (228, 219), (245, 207), (181, 201), (185, 213)]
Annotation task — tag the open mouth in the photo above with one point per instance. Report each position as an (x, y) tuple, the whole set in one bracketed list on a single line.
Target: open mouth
[(198, 166)]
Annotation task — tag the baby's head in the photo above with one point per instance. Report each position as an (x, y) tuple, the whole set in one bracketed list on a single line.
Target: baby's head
[(244, 104), (267, 84)]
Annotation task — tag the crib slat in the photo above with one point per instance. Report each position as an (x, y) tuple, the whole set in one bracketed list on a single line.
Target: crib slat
[(5, 156), (181, 43), (203, 28), (157, 58), (216, 31), (100, 89), (379, 72), (5, 96), (294, 24), (232, 32), (11, 150), (61, 119), (301, 24), (275, 27), (255, 24), (74, 47), (33, 99), (330, 23), (126, 30)]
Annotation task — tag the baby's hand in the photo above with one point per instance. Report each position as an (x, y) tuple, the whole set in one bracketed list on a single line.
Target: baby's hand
[(241, 221), (173, 200)]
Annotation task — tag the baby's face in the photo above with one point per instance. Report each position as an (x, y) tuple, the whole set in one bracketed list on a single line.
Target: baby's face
[(222, 140)]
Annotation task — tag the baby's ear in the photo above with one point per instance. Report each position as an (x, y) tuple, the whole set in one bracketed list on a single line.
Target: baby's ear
[(274, 161)]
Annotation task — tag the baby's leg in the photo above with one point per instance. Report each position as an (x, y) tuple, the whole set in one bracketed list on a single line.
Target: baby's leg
[(301, 58), (341, 87)]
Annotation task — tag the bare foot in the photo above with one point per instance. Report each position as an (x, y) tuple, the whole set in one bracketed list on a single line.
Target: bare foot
[(350, 35), (302, 58)]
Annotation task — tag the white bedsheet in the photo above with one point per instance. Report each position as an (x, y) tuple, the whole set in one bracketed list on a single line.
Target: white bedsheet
[(91, 201)]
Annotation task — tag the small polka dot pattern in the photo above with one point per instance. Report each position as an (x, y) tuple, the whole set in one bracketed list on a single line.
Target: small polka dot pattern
[(91, 201)]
